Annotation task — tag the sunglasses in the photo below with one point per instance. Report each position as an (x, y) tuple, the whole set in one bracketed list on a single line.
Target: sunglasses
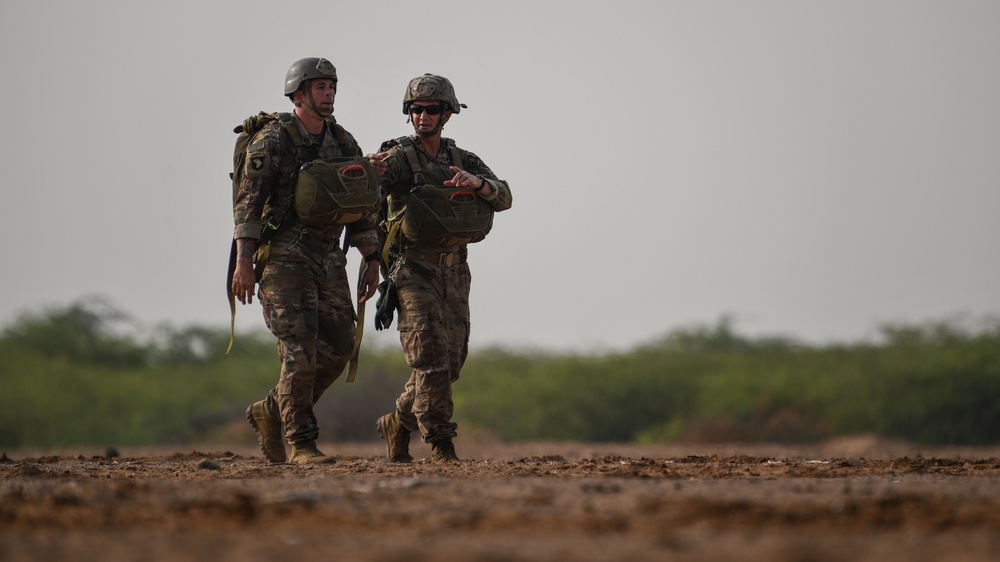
[(430, 109)]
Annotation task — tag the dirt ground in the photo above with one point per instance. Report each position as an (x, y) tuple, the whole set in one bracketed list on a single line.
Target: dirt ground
[(855, 499)]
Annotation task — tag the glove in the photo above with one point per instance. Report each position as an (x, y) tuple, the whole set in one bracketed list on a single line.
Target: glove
[(386, 305)]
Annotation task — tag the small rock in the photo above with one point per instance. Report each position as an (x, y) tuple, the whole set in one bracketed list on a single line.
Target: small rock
[(206, 464)]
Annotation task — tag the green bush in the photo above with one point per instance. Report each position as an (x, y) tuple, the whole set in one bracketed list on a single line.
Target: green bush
[(86, 375)]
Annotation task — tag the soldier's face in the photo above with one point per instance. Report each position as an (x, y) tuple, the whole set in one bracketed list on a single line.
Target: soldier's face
[(425, 121), (320, 96)]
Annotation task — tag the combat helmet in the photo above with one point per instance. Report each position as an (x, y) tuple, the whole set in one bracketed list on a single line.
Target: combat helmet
[(431, 87), (308, 69)]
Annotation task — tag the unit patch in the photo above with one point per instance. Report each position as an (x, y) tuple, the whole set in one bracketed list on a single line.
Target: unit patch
[(257, 164)]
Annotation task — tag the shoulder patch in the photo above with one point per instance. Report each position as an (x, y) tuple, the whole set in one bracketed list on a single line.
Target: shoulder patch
[(257, 164)]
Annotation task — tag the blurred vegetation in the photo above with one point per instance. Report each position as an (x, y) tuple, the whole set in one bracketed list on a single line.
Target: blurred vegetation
[(86, 374)]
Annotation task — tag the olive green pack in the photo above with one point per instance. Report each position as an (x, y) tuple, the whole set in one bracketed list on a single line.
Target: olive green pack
[(336, 191), (439, 215)]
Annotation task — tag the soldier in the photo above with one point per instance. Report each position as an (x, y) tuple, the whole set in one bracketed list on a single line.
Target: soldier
[(303, 284), (428, 276)]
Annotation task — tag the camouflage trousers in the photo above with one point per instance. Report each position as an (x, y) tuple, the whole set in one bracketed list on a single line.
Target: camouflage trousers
[(307, 303), (433, 328)]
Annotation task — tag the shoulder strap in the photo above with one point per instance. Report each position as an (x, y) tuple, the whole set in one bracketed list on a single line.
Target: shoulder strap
[(288, 124), (456, 157), (410, 152)]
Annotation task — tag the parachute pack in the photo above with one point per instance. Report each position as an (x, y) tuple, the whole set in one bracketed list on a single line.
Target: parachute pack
[(436, 214), (336, 191)]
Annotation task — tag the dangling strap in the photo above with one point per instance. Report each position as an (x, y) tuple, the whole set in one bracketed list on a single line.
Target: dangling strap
[(232, 298), (352, 370)]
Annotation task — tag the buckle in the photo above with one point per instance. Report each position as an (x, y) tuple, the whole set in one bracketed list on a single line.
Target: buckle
[(272, 224), (446, 260)]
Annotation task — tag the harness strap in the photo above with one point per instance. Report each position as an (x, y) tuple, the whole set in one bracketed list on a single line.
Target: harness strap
[(443, 259), (410, 153), (456, 158)]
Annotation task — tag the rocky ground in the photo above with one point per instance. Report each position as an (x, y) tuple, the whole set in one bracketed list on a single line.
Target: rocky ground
[(853, 499)]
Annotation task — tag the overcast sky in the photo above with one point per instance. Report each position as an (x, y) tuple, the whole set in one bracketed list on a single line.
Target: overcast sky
[(813, 169)]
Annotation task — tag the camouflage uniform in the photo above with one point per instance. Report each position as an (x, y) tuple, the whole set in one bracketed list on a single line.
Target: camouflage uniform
[(434, 317), (304, 289)]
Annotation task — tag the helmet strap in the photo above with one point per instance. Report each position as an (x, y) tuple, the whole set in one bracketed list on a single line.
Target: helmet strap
[(427, 134), (315, 109)]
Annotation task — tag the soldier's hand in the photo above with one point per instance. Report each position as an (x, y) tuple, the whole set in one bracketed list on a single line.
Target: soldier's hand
[(369, 281), (244, 281), (377, 161), (465, 179)]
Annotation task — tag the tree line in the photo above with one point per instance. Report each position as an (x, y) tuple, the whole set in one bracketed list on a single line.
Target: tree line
[(85, 374)]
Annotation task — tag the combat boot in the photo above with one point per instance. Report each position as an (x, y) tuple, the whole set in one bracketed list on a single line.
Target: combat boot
[(307, 453), (443, 451), (397, 438), (268, 428)]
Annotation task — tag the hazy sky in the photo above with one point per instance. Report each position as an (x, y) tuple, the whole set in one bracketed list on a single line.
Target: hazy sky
[(813, 169)]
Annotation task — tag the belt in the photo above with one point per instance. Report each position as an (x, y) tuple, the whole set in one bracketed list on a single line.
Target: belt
[(443, 259)]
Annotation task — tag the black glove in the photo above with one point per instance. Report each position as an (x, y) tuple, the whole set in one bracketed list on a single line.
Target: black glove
[(386, 305)]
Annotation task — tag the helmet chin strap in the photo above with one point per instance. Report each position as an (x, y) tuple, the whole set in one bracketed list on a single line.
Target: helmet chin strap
[(315, 108), (427, 134)]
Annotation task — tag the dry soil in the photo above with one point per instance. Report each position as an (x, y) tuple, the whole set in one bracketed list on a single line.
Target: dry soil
[(856, 499)]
